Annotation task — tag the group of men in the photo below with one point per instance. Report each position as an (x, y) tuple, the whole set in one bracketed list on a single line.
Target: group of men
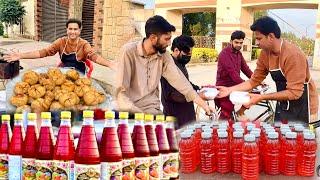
[(143, 64)]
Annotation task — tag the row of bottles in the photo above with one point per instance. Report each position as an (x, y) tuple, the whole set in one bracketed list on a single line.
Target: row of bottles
[(247, 150), (149, 152)]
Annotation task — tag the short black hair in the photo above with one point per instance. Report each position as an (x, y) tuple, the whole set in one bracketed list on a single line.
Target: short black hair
[(73, 20), (158, 25), (266, 25), (238, 35), (183, 43)]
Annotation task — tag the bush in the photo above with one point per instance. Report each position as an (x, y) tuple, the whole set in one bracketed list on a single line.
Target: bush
[(1, 29), (5, 36), (255, 53), (203, 55)]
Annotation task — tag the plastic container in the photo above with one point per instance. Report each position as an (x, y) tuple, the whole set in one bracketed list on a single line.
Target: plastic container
[(45, 148), (239, 97), (256, 133), (174, 147), (63, 155), (307, 159), (210, 93), (187, 153), (250, 158), (126, 147), (87, 159), (290, 154), (236, 152), (154, 168), (110, 150), (15, 149), (5, 137), (272, 155), (207, 163), (223, 153), (29, 148)]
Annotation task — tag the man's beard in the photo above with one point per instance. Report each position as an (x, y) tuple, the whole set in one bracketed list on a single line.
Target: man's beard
[(236, 48), (159, 48)]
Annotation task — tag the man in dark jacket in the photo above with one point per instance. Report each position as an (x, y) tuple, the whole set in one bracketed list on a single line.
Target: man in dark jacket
[(230, 64), (174, 103)]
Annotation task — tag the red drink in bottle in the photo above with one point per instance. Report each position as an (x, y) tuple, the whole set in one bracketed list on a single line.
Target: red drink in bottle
[(63, 156), (5, 137), (207, 154), (236, 152), (164, 148), (154, 168), (126, 145), (223, 153), (187, 155), (272, 154), (110, 150), (290, 154), (45, 148), (307, 160), (141, 148), (250, 158), (174, 148), (29, 148), (15, 149), (86, 158)]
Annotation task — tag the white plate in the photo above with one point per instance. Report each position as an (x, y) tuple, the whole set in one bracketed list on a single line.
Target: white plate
[(10, 87), (239, 97), (210, 93)]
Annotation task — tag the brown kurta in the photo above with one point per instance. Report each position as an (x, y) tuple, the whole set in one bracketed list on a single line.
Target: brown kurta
[(294, 66)]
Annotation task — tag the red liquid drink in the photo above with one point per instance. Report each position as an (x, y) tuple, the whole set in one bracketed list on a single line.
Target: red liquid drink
[(290, 154), (174, 147), (250, 158), (45, 148), (154, 168), (164, 148), (307, 160), (63, 156), (87, 159), (29, 149), (223, 153), (186, 153), (236, 152), (110, 150), (256, 133), (141, 148), (128, 162), (197, 136), (207, 165), (15, 149), (5, 137), (272, 155)]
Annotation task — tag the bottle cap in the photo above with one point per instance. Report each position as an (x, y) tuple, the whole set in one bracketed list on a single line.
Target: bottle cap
[(222, 134), (65, 115), (205, 135), (240, 130), (123, 115), (18, 117), (139, 116), (46, 115), (206, 128), (249, 138), (5, 117), (256, 129), (255, 133), (148, 117), (214, 123), (223, 126), (298, 128), (284, 131), (221, 130), (197, 126), (170, 119), (273, 135), (32, 116), (109, 115), (185, 135), (291, 135), (250, 127), (159, 118), (309, 136), (307, 131), (237, 134), (88, 114)]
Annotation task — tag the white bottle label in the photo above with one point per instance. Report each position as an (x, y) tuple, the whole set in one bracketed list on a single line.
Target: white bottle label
[(29, 168), (43, 169), (111, 170), (15, 167), (142, 167), (4, 167), (174, 163), (154, 168), (128, 166), (165, 166), (86, 171), (62, 170)]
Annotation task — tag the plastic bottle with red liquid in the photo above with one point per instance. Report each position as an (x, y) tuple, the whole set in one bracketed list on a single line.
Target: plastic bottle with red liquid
[(128, 162), (197, 136), (87, 158), (63, 155), (256, 132), (154, 168), (290, 154), (110, 150), (207, 165), (186, 153), (307, 159), (174, 147), (298, 128), (5, 137), (164, 148), (45, 146), (193, 148), (272, 155), (15, 149), (223, 153), (282, 140), (236, 152), (141, 148), (29, 148), (250, 158)]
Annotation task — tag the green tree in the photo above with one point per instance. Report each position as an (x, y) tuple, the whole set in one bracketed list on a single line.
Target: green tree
[(199, 24), (11, 12), (259, 14), (304, 43)]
